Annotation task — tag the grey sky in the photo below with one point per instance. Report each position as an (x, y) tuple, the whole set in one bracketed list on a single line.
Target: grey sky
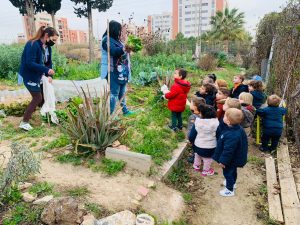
[(11, 22)]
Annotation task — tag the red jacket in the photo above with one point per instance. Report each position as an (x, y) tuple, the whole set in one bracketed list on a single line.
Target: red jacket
[(178, 95), (220, 111)]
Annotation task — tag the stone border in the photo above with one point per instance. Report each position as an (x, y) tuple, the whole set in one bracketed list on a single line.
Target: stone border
[(168, 167)]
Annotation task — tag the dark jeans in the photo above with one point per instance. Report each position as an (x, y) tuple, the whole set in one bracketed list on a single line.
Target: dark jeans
[(37, 100), (176, 120), (230, 174), (266, 138), (117, 93)]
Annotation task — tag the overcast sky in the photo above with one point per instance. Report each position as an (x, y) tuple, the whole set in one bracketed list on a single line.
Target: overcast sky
[(11, 22)]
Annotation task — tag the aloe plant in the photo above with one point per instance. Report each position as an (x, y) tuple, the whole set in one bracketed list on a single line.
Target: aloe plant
[(93, 128)]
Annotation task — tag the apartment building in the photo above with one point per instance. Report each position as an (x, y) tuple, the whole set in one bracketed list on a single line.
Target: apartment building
[(161, 22)]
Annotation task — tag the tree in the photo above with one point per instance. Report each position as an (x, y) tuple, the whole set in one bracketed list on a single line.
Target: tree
[(85, 10), (51, 7), (29, 8), (227, 26)]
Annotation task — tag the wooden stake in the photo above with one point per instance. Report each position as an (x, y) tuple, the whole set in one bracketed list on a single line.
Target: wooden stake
[(108, 62)]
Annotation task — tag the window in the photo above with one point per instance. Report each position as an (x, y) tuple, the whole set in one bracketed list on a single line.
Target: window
[(180, 11), (204, 4), (180, 25), (204, 18), (188, 13), (188, 6), (180, 1), (187, 32), (204, 11), (187, 19)]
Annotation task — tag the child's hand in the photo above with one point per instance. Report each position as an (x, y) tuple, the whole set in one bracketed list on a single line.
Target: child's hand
[(223, 166), (165, 91), (164, 88)]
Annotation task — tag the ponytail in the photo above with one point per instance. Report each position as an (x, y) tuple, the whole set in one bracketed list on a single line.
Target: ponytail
[(42, 31)]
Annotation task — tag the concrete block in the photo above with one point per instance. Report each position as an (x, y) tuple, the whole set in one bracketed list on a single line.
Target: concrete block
[(133, 160)]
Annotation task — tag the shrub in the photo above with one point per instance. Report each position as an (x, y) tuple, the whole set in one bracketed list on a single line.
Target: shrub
[(10, 61), (207, 63)]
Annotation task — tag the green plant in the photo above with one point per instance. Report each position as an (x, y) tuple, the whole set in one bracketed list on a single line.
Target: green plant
[(78, 192), (43, 188), (187, 197), (11, 195), (93, 128), (263, 189), (61, 141), (179, 176), (256, 160), (134, 43), (111, 167), (94, 208), (75, 160)]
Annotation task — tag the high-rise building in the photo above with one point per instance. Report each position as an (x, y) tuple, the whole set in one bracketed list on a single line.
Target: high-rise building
[(65, 35), (161, 22), (192, 17)]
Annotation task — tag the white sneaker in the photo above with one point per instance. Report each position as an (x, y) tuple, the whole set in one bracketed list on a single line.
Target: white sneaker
[(226, 193), (224, 184), (25, 126)]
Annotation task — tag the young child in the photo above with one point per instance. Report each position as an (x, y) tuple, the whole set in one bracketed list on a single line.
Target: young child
[(221, 84), (208, 92), (221, 97), (257, 91), (232, 149), (203, 135), (239, 87), (246, 100), (272, 123), (177, 97)]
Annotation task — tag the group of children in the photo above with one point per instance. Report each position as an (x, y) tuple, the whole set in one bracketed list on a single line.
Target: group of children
[(221, 122)]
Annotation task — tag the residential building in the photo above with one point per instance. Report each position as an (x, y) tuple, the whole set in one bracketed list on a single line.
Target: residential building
[(78, 37), (161, 22), (192, 17)]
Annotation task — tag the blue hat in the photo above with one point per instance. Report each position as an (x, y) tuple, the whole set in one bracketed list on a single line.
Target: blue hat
[(257, 77)]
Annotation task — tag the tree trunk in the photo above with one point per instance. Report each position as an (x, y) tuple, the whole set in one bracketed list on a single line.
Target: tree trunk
[(30, 13), (226, 46), (53, 20), (91, 36)]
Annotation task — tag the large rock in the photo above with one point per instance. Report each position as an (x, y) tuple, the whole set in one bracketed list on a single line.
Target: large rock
[(43, 200), (25, 185), (88, 220), (28, 197), (122, 218), (62, 211), (144, 219)]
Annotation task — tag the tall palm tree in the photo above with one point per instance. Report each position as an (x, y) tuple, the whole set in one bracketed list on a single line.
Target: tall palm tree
[(227, 26)]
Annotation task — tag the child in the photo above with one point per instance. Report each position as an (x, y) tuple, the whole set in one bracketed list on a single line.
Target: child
[(177, 97), (232, 149), (246, 100), (212, 76), (221, 84), (232, 103), (221, 97), (208, 92), (203, 135), (272, 123), (256, 90), (239, 87)]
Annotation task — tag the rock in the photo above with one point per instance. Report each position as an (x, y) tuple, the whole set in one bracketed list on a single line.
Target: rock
[(143, 191), (122, 218), (135, 202), (43, 200), (116, 144), (123, 147), (63, 211), (28, 197), (151, 184), (138, 197), (88, 220), (25, 185), (144, 219)]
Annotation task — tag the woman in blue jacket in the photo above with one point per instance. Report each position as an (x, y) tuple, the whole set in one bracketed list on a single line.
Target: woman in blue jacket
[(119, 66), (36, 61)]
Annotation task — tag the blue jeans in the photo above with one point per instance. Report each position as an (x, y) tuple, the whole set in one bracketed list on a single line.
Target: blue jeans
[(117, 93), (272, 135), (230, 174)]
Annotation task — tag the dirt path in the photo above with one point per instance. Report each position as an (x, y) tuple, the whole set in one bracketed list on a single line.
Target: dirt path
[(238, 210)]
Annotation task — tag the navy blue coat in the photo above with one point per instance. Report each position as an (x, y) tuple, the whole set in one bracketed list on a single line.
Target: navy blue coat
[(232, 146), (241, 88), (32, 62), (272, 117), (209, 98), (259, 98)]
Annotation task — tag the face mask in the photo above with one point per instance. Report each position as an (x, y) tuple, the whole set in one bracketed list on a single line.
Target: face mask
[(50, 43)]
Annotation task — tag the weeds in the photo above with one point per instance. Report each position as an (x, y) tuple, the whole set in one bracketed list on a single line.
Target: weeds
[(73, 159), (179, 176), (111, 167), (187, 197), (256, 160), (60, 142), (78, 192), (43, 188)]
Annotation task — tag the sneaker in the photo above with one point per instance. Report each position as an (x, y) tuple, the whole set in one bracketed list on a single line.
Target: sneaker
[(224, 184), (191, 159), (209, 172), (196, 168), (25, 126), (226, 193), (179, 128), (175, 129), (129, 113)]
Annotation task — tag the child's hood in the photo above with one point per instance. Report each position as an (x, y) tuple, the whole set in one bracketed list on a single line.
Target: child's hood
[(184, 84), (207, 124)]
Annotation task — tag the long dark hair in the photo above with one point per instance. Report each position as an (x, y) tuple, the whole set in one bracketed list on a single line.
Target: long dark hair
[(42, 31), (115, 29)]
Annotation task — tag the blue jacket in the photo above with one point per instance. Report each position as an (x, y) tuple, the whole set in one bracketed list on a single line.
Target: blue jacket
[(209, 98), (236, 92), (116, 52), (32, 62), (259, 98), (272, 117), (232, 146)]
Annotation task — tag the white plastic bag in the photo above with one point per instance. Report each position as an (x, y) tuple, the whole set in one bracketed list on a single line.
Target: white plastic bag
[(49, 98)]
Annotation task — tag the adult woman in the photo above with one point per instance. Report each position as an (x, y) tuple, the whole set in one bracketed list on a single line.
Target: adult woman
[(119, 64), (36, 61)]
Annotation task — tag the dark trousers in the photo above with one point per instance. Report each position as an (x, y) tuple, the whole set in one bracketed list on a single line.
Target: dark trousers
[(230, 174), (177, 120), (265, 140), (37, 100)]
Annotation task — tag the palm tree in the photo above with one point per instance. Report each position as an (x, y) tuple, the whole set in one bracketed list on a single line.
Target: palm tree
[(227, 26)]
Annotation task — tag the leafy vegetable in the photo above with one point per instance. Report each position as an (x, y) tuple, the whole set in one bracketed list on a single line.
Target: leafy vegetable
[(134, 43)]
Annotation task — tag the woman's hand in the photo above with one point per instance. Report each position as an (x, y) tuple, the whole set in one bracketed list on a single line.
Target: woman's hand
[(222, 165), (51, 72), (50, 79)]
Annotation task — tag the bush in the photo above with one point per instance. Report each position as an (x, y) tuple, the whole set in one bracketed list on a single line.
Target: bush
[(207, 63), (10, 61)]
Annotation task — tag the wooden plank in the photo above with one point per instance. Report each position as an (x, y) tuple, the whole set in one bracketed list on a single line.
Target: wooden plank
[(275, 210), (289, 197)]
